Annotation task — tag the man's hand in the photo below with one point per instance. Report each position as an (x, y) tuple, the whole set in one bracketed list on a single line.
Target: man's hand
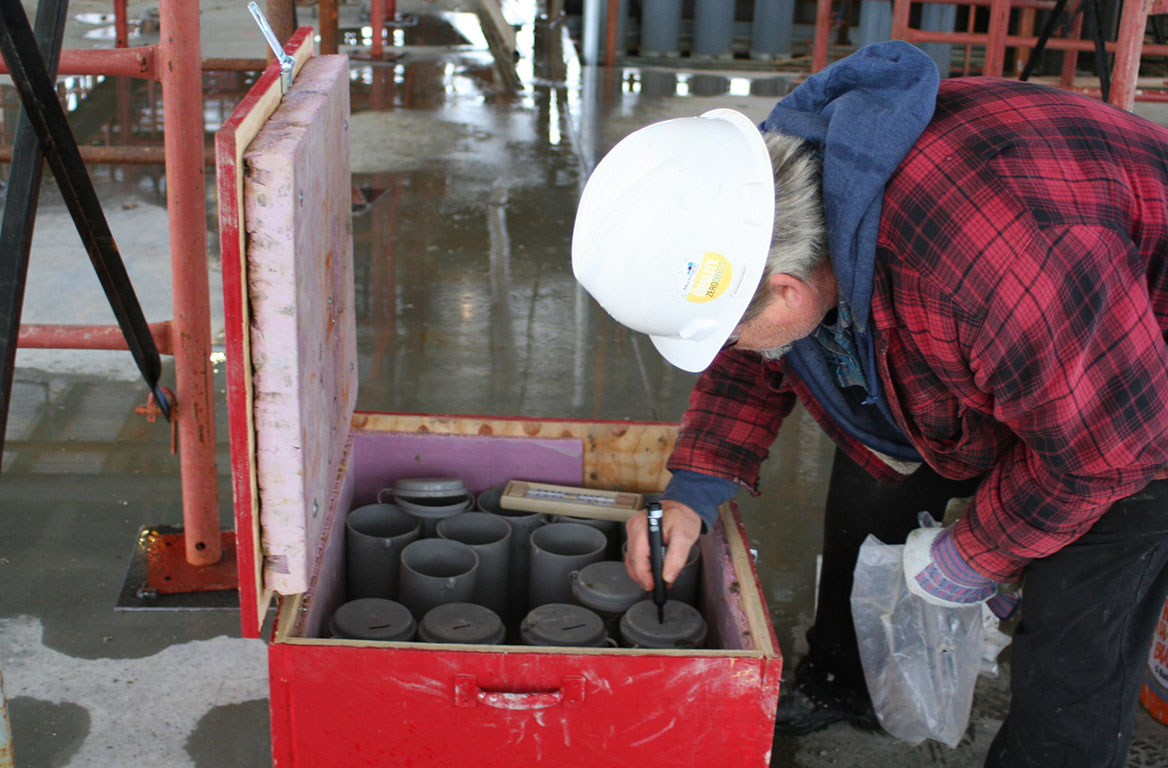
[(935, 571), (680, 528)]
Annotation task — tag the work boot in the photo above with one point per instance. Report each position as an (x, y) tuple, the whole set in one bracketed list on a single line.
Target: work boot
[(800, 714)]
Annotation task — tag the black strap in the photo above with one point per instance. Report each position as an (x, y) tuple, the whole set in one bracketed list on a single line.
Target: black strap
[(47, 119), (20, 206), (1101, 64)]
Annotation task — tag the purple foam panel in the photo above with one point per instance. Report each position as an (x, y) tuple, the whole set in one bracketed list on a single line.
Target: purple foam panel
[(480, 461)]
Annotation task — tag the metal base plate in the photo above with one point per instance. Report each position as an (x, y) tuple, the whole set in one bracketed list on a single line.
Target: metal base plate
[(159, 578)]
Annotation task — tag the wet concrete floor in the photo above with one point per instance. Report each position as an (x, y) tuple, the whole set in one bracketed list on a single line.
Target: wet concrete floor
[(465, 304)]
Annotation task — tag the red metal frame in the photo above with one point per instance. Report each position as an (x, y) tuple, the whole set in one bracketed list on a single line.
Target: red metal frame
[(176, 63), (1128, 47)]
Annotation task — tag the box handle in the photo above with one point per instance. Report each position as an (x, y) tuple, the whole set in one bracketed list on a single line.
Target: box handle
[(467, 693)]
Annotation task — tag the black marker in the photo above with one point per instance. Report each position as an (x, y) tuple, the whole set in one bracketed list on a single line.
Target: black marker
[(657, 558)]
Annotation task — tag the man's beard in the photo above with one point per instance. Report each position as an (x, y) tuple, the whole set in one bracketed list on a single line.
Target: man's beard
[(774, 353)]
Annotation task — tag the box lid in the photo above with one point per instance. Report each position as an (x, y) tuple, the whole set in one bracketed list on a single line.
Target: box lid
[(286, 247)]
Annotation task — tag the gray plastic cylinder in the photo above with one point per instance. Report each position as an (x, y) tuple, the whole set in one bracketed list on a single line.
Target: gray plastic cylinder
[(375, 536), (770, 33), (490, 537), (660, 28), (522, 524), (556, 551), (461, 623), (435, 572), (713, 29), (561, 624), (610, 528), (372, 618), (683, 627)]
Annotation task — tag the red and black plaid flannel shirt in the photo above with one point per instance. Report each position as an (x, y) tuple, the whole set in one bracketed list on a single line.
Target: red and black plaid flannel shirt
[(1020, 306)]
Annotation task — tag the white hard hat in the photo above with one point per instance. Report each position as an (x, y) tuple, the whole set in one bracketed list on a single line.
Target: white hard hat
[(673, 229)]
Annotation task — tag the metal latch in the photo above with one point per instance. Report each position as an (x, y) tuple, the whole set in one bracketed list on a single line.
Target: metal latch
[(286, 61)]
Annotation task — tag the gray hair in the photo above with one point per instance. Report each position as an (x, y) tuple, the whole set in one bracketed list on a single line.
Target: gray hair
[(799, 241)]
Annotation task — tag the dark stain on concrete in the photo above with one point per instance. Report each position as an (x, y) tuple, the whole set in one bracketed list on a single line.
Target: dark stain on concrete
[(46, 734), (233, 734)]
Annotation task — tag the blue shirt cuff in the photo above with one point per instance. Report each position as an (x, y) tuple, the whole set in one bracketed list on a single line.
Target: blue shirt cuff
[(701, 493)]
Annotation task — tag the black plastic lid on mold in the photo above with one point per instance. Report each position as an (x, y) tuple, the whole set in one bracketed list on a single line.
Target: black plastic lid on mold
[(683, 627), (563, 624), (606, 586), (373, 618), (461, 623)]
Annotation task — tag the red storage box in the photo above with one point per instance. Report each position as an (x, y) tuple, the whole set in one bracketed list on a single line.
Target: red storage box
[(355, 703)]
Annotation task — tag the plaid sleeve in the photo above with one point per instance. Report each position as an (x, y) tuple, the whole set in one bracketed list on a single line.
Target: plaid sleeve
[(734, 414), (1074, 363)]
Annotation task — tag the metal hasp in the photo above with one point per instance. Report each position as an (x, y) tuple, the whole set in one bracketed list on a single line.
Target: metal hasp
[(286, 62), (45, 121)]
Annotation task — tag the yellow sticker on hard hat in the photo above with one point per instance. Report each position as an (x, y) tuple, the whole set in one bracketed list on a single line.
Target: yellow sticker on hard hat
[(707, 278)]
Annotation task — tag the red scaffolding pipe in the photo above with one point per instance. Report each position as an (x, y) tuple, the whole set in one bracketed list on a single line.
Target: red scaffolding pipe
[(177, 64), (179, 54), (47, 336)]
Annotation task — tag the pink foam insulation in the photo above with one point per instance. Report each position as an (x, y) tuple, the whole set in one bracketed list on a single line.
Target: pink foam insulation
[(303, 331)]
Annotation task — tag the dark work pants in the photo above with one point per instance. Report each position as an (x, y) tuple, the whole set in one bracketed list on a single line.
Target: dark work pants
[(1088, 614)]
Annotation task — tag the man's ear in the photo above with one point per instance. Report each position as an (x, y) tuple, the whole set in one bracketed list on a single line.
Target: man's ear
[(790, 290)]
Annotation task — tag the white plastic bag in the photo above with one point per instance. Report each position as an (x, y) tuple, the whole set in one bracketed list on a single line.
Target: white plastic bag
[(920, 660)]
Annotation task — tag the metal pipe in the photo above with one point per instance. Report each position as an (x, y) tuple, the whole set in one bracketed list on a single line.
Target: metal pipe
[(612, 23), (50, 336), (822, 31), (186, 201), (121, 24), (1015, 41), (995, 50), (1133, 26), (128, 155), (328, 27), (114, 62), (7, 754), (280, 18), (377, 24)]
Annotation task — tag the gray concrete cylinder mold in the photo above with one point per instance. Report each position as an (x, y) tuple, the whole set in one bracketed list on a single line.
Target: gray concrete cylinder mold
[(770, 33), (375, 536), (661, 28), (490, 537), (713, 29), (556, 551), (435, 572)]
